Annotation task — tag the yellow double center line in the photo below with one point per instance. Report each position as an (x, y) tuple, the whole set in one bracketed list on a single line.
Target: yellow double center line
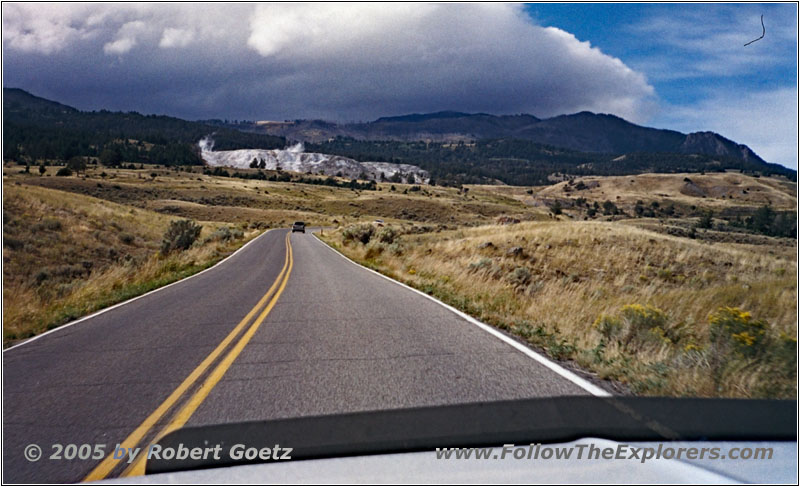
[(184, 413)]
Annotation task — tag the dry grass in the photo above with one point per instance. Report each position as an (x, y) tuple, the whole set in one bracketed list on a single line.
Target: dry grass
[(549, 282), (75, 244), (209, 198), (66, 255), (713, 190)]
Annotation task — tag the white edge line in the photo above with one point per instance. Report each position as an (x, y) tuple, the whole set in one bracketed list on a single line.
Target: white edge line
[(570, 376), (99, 312)]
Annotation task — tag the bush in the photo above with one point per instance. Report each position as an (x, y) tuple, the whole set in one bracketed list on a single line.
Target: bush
[(738, 340), (610, 208), (360, 233), (13, 243), (480, 265), (224, 234), (180, 235), (387, 235), (77, 164), (126, 238), (519, 276), (373, 251), (48, 224), (706, 220), (638, 326), (396, 249), (732, 329), (64, 171)]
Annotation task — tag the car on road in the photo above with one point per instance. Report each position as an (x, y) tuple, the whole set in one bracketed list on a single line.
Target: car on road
[(299, 227)]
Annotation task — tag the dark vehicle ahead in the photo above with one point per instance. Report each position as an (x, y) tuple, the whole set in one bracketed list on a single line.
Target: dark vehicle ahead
[(299, 227)]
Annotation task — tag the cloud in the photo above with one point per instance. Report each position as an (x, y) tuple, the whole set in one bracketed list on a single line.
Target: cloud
[(46, 29), (337, 61), (127, 37), (701, 41), (697, 59), (471, 57), (766, 121), (176, 37)]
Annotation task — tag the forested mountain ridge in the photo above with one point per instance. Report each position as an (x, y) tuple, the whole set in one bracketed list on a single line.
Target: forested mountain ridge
[(584, 131), (524, 162), (38, 129)]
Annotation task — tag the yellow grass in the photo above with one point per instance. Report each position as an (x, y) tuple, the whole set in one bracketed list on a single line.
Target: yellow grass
[(67, 255), (575, 272), (711, 190)]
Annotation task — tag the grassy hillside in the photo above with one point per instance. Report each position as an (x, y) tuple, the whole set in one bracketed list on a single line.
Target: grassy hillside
[(66, 255), (626, 303), (75, 244), (711, 190), (665, 285)]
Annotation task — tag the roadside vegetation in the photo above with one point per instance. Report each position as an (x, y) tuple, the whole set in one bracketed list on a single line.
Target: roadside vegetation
[(663, 315), (66, 255), (667, 286), (80, 237)]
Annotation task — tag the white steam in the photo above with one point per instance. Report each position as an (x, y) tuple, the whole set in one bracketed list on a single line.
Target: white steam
[(295, 159)]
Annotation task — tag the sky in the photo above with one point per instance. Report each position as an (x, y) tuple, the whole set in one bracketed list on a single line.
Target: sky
[(679, 66)]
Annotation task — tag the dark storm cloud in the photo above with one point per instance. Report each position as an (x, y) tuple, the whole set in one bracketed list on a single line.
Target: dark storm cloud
[(343, 62)]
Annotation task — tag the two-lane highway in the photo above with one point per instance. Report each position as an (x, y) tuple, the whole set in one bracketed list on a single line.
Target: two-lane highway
[(284, 328)]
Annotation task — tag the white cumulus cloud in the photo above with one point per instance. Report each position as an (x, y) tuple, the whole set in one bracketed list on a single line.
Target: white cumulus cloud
[(176, 37), (127, 37), (336, 61), (439, 51)]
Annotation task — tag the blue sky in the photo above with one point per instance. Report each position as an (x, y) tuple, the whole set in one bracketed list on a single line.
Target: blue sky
[(680, 66), (694, 57)]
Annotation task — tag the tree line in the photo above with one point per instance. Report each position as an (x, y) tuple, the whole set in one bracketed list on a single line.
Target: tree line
[(526, 163)]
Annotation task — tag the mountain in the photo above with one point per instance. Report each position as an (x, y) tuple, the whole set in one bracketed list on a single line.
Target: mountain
[(447, 147), (526, 163), (19, 105), (36, 129), (584, 131)]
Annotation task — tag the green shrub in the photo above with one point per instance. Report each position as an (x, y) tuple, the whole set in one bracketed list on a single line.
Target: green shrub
[(480, 265), (360, 233), (735, 330), (180, 235), (225, 234), (520, 276), (396, 249), (48, 224), (387, 235), (738, 340), (13, 243), (638, 327), (608, 326), (64, 171), (126, 238), (706, 220)]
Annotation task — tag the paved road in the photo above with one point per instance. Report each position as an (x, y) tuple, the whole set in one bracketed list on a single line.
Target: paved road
[(307, 333)]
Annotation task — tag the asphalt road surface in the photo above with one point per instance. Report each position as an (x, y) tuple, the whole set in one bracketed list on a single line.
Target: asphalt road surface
[(286, 327)]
